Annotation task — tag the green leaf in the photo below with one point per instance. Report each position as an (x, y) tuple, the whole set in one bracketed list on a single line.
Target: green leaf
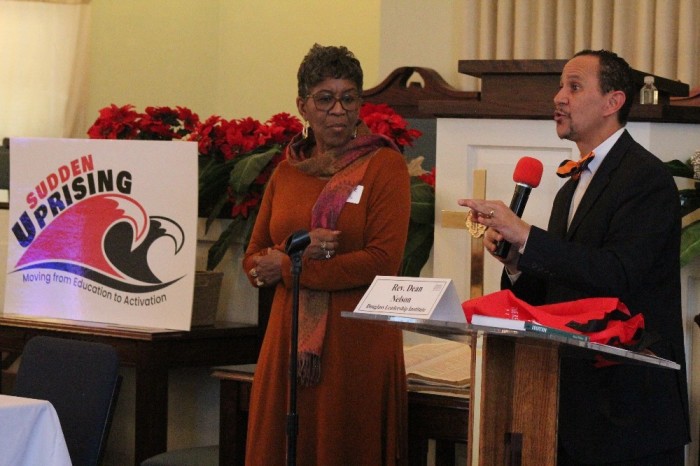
[(417, 250), (213, 180), (690, 202), (420, 228), (422, 202), (217, 251), (681, 169), (239, 230), (690, 243), (249, 168), (216, 211)]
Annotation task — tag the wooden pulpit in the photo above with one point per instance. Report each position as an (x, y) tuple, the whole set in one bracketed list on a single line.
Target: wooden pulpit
[(514, 399), (514, 389)]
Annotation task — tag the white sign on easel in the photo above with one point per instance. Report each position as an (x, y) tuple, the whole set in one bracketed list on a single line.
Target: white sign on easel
[(417, 298), (102, 231)]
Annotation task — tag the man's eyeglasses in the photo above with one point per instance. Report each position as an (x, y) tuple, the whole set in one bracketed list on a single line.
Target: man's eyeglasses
[(325, 101)]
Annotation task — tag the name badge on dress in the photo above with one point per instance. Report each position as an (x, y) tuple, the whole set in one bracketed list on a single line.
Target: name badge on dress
[(356, 194)]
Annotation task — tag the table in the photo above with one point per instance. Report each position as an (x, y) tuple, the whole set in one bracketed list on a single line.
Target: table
[(30, 433), (442, 418), (152, 352)]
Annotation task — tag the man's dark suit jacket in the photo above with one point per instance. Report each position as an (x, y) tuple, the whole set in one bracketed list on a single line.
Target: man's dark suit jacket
[(624, 241)]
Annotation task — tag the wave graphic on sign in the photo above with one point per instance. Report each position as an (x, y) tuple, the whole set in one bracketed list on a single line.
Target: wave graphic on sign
[(105, 238)]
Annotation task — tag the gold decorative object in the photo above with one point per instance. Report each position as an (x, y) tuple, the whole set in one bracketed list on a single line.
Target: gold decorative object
[(474, 228)]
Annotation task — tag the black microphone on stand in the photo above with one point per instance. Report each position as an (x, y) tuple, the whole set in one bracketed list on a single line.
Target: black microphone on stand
[(527, 175), (296, 243)]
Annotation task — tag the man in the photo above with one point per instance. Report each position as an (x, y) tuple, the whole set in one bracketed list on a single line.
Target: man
[(614, 231)]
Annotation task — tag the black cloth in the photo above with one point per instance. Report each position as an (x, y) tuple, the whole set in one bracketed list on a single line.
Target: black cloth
[(673, 457), (624, 241)]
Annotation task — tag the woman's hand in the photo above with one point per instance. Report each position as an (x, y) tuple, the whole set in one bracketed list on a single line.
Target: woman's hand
[(324, 243), (268, 268)]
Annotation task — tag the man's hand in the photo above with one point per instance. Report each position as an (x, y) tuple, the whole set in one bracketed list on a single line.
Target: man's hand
[(502, 224)]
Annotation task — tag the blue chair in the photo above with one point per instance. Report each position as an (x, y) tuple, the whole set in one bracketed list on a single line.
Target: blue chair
[(81, 380)]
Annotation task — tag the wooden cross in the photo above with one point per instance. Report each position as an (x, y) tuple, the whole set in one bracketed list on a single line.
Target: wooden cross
[(452, 219)]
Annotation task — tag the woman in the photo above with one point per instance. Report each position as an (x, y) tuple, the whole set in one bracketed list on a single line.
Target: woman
[(350, 190)]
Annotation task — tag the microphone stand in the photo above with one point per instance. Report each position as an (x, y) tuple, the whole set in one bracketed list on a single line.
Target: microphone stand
[(295, 246), (292, 417)]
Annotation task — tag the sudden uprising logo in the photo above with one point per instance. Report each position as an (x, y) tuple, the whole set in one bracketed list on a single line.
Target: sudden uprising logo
[(83, 229)]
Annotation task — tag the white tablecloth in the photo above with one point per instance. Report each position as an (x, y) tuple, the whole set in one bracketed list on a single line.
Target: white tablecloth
[(30, 433)]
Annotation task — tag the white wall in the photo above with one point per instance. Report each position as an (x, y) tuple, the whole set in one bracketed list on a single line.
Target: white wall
[(231, 58)]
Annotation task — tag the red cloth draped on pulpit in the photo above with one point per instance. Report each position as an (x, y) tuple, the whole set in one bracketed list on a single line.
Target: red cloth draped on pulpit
[(604, 320)]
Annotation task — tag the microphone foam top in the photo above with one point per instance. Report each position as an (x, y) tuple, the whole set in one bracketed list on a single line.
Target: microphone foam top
[(528, 171)]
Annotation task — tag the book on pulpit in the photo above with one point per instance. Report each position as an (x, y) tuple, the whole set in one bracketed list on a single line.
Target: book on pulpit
[(438, 367), (525, 325)]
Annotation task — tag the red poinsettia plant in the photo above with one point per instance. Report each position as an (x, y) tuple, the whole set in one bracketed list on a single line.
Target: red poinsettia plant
[(382, 119), (237, 157)]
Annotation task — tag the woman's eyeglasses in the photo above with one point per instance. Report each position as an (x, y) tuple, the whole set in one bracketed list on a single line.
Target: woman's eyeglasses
[(325, 101)]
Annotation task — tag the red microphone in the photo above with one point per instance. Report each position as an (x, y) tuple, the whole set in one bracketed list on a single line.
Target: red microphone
[(527, 175)]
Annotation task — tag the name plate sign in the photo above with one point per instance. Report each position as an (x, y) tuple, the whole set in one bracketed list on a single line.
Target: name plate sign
[(417, 298)]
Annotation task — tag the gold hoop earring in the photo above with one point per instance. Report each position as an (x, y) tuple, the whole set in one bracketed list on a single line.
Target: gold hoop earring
[(305, 130)]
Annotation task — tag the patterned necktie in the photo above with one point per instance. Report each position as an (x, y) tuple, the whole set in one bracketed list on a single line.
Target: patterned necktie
[(574, 168)]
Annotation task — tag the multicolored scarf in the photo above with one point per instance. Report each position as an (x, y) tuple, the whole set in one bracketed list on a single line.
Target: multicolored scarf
[(345, 166)]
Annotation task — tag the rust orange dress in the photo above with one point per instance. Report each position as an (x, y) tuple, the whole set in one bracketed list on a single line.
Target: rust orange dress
[(357, 414)]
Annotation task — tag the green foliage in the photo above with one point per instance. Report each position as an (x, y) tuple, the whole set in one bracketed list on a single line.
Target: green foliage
[(678, 168), (690, 243), (223, 183), (249, 168), (238, 228), (690, 202), (420, 228)]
